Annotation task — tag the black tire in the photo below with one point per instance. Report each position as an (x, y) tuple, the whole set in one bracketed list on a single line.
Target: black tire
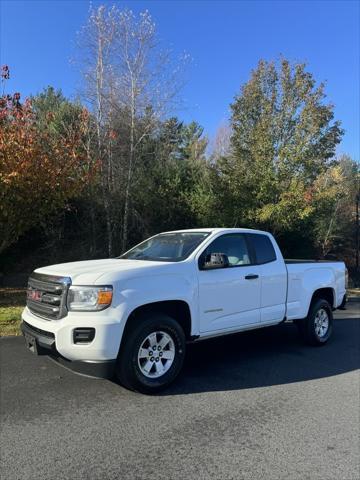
[(128, 370), (307, 326)]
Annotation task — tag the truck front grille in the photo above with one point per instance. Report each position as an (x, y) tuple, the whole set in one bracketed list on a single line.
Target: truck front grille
[(46, 295)]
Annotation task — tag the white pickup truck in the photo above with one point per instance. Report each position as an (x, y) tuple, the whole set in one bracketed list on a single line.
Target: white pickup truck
[(132, 316)]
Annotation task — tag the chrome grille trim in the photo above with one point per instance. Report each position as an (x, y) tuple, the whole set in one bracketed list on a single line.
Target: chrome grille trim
[(47, 295)]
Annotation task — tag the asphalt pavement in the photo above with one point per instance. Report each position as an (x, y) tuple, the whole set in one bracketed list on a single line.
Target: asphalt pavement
[(257, 405)]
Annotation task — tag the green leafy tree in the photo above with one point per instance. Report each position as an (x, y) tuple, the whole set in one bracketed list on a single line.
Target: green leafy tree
[(283, 136), (59, 117), (333, 221), (172, 168), (55, 113)]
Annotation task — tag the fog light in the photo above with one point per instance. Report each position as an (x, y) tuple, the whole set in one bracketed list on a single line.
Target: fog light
[(84, 335)]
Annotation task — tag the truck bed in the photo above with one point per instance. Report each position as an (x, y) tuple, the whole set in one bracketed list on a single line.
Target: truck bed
[(306, 276)]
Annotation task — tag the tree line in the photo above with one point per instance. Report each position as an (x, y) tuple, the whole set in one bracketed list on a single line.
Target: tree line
[(89, 178)]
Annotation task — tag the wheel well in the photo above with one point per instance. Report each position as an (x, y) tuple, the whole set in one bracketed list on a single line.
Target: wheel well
[(177, 309), (324, 293)]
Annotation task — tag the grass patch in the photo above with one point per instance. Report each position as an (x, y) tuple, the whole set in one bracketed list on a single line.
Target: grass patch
[(12, 303), (353, 292)]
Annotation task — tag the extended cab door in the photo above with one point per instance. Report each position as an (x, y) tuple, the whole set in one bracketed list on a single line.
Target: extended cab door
[(229, 297), (273, 276)]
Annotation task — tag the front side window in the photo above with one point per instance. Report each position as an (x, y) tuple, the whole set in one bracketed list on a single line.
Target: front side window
[(167, 247), (233, 246), (263, 247)]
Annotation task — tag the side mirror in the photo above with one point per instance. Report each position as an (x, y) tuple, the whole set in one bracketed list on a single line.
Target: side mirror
[(215, 260)]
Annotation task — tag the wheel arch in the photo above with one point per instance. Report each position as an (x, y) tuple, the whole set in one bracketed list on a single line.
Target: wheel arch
[(327, 294), (177, 309)]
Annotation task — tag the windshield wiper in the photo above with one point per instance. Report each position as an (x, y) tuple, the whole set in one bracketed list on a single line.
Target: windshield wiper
[(140, 257)]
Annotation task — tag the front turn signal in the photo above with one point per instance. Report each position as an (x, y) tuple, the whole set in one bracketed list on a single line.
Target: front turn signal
[(105, 297)]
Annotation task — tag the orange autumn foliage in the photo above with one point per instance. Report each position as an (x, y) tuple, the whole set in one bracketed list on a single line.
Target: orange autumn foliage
[(39, 171)]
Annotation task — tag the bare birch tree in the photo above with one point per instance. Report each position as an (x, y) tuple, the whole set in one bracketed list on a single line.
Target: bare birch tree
[(131, 84), (221, 145), (96, 42)]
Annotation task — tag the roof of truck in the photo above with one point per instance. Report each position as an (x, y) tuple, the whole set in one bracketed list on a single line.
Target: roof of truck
[(217, 230)]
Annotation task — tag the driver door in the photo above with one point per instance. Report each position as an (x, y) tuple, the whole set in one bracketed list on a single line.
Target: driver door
[(229, 297)]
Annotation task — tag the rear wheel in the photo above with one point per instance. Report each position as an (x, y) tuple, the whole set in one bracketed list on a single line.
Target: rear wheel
[(317, 327), (152, 354)]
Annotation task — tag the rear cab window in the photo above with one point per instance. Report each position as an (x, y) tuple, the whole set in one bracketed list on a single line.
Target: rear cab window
[(263, 248)]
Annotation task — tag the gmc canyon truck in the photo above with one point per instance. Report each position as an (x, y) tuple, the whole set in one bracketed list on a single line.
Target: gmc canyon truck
[(132, 316)]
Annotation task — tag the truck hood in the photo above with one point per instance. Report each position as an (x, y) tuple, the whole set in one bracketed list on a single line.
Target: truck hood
[(89, 272)]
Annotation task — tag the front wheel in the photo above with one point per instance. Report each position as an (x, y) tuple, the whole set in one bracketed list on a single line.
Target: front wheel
[(152, 354), (317, 327)]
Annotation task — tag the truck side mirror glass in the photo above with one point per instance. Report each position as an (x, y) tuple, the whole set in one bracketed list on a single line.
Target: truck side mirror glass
[(215, 260)]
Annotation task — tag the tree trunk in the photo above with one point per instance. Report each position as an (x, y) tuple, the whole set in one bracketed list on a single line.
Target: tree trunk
[(124, 241), (99, 97)]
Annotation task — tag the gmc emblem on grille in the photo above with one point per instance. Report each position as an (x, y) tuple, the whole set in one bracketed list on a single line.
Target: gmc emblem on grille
[(34, 295)]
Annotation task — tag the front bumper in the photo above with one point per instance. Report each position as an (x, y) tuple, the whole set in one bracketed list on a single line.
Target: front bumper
[(42, 342), (108, 325)]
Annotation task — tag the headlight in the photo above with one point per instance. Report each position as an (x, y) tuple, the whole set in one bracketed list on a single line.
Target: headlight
[(89, 298)]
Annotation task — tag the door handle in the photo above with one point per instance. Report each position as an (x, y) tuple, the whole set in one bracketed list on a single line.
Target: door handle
[(251, 277)]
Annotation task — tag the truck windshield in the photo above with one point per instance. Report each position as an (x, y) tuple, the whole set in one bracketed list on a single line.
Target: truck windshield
[(166, 247)]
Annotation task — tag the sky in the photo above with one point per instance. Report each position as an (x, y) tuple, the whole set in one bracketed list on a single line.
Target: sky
[(225, 39)]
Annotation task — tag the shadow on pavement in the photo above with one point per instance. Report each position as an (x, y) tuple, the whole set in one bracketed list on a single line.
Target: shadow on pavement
[(265, 357)]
